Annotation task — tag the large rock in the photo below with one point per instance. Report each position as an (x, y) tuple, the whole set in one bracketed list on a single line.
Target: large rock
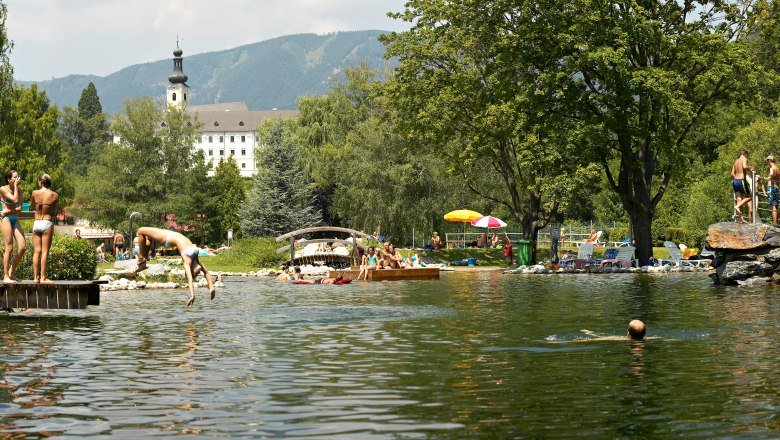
[(734, 271), (738, 236)]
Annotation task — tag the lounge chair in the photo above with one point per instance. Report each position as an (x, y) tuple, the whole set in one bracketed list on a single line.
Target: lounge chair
[(626, 241), (609, 254), (594, 242), (676, 258), (624, 258), (584, 256)]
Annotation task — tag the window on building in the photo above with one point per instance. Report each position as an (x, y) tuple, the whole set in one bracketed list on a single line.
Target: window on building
[(211, 138), (221, 152), (243, 152), (232, 152), (243, 138), (241, 123), (222, 139), (185, 96), (211, 152), (243, 165), (173, 97), (232, 138)]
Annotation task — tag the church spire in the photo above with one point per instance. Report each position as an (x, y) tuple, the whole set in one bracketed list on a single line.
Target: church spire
[(178, 76)]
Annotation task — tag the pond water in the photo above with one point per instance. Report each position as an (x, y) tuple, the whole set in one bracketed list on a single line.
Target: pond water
[(479, 355)]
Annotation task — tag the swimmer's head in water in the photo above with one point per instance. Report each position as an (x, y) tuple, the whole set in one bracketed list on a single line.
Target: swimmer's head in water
[(636, 329)]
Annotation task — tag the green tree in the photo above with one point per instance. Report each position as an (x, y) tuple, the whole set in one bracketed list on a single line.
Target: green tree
[(31, 146), (144, 172), (227, 196), (461, 91), (375, 178), (89, 103), (626, 81), (280, 198), (6, 70)]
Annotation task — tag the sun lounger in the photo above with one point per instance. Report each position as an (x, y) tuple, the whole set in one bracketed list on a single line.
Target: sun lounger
[(624, 257), (676, 258), (596, 241), (584, 256), (626, 241)]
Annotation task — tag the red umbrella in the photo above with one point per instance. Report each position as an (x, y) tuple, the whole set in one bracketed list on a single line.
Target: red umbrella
[(488, 222)]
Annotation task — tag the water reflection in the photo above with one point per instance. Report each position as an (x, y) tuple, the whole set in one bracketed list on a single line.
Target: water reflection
[(467, 355)]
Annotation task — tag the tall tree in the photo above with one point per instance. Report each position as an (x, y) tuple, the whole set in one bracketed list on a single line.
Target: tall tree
[(624, 80), (6, 70), (227, 197), (280, 198), (144, 171), (460, 90), (377, 178), (89, 103), (31, 146)]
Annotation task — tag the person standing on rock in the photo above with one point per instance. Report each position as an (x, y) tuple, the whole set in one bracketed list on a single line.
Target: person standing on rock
[(187, 250), (773, 187), (740, 184)]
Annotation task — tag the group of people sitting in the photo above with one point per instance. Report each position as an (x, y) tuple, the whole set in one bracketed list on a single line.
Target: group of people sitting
[(386, 258)]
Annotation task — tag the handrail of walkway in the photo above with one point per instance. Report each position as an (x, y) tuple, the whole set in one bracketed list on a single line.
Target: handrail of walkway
[(321, 229), (321, 240)]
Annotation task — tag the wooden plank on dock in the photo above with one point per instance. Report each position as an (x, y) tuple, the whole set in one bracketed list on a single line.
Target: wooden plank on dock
[(417, 273), (63, 294)]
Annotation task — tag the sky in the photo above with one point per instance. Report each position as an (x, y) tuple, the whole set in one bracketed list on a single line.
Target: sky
[(55, 38)]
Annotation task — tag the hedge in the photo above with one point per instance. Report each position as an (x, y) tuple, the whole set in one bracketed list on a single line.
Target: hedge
[(70, 258)]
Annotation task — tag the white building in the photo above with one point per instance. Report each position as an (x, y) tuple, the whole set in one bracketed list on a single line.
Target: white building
[(229, 129)]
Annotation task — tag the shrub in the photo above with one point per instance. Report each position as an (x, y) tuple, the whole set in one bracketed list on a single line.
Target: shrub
[(69, 259), (252, 252), (618, 233)]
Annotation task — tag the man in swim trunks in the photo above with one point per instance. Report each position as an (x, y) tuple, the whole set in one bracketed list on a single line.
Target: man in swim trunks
[(187, 250), (119, 245), (773, 187), (740, 185)]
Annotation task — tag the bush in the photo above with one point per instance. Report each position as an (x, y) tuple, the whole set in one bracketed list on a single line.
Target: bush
[(683, 235), (618, 233), (69, 259), (251, 252)]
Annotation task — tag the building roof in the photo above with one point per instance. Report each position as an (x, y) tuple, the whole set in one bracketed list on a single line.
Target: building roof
[(223, 106), (235, 120)]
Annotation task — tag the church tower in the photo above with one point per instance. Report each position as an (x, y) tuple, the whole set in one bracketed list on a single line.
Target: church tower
[(178, 90)]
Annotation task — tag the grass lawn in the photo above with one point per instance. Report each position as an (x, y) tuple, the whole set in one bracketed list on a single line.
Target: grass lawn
[(495, 257)]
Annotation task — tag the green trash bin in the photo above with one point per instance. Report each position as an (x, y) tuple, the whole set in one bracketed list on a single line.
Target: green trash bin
[(523, 252)]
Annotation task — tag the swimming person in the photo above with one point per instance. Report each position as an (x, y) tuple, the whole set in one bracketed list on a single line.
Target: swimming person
[(187, 250), (636, 332), (11, 200), (44, 202)]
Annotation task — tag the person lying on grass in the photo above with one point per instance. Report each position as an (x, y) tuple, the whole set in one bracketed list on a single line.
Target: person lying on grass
[(187, 250)]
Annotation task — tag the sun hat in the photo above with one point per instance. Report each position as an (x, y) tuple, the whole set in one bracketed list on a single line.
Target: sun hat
[(770, 158)]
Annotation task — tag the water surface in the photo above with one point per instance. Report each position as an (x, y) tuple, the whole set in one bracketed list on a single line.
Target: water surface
[(471, 355)]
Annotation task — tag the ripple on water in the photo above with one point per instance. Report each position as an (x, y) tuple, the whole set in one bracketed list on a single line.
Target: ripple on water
[(479, 355)]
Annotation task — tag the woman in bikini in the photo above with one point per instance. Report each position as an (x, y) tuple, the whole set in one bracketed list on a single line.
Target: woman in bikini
[(370, 262), (187, 250), (11, 200), (44, 202)]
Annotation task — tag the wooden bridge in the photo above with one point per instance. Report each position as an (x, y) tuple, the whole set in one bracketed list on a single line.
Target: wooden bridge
[(65, 294)]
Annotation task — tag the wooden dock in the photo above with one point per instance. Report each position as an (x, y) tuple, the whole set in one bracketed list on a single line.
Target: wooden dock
[(417, 273), (57, 295)]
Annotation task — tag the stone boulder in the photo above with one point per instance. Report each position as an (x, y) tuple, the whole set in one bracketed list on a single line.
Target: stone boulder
[(742, 237), (734, 271)]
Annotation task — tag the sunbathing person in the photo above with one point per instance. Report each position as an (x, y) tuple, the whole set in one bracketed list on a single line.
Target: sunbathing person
[(593, 237), (394, 257), (320, 280), (187, 250)]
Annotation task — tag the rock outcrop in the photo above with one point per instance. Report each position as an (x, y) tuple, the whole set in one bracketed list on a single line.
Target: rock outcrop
[(748, 254)]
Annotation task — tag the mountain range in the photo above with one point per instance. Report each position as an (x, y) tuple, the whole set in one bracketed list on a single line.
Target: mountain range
[(265, 75)]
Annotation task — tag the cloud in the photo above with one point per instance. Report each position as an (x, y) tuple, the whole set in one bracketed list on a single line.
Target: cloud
[(54, 38)]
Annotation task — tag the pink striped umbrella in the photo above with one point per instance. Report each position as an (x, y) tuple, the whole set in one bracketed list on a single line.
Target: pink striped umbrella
[(488, 222)]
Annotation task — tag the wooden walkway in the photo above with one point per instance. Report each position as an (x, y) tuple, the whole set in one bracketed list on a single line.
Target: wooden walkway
[(64, 294), (417, 273)]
